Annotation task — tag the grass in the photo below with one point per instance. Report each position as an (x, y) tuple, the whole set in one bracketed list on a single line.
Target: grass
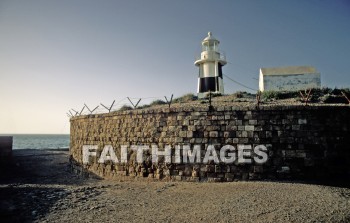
[(185, 98), (125, 108), (326, 95)]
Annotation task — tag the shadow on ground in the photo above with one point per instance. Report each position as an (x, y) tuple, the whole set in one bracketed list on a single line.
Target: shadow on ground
[(32, 182), (27, 203), (38, 167)]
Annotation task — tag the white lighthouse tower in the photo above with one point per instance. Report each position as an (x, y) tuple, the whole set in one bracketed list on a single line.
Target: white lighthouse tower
[(210, 67)]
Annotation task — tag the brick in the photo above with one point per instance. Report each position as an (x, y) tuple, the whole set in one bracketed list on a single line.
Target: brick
[(258, 169), (210, 168), (268, 134), (183, 134), (218, 169), (253, 122), (213, 134), (189, 134), (214, 179), (295, 127), (241, 127), (230, 175), (302, 121)]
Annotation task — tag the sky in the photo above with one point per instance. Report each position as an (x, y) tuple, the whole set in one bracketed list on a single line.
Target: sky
[(57, 55)]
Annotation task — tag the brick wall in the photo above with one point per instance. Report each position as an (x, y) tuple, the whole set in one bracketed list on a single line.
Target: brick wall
[(303, 142)]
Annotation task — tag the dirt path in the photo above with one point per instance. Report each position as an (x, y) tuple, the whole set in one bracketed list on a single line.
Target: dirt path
[(41, 189)]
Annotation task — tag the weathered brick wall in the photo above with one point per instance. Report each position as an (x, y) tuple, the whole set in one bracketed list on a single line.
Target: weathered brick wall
[(304, 142)]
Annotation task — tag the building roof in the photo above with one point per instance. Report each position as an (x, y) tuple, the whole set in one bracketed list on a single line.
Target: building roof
[(288, 70)]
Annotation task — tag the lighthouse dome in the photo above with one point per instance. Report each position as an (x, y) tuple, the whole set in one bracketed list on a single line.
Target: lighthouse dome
[(210, 38)]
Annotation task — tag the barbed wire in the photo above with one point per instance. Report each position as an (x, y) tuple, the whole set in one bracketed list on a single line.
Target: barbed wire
[(116, 106), (129, 104)]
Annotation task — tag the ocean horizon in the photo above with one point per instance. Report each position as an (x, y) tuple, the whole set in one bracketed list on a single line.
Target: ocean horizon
[(39, 141)]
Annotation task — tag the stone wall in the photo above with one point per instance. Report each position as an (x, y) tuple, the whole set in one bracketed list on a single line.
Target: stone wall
[(304, 142), (5, 148)]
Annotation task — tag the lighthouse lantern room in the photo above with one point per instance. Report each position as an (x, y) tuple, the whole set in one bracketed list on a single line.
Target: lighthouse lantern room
[(210, 67)]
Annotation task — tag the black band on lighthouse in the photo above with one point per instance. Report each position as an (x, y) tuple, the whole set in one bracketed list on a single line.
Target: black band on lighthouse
[(207, 84)]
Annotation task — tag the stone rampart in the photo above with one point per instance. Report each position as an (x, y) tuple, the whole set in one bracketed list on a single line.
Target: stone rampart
[(303, 142)]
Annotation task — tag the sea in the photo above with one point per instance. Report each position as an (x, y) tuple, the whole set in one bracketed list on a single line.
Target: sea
[(39, 141)]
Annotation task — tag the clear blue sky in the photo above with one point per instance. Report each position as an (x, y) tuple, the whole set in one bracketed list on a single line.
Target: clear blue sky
[(58, 55)]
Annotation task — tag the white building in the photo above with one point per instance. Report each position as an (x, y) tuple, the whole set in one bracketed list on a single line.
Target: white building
[(289, 78), (210, 67)]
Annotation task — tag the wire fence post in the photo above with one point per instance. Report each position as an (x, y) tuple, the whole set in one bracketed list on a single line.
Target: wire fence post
[(210, 106), (305, 97), (108, 108), (346, 97), (82, 110), (258, 99), (169, 102), (91, 111), (135, 106), (76, 113)]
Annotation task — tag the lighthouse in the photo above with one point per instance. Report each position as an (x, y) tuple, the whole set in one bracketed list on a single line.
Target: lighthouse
[(210, 65)]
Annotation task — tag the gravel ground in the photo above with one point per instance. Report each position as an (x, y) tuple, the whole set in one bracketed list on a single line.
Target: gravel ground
[(39, 188)]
